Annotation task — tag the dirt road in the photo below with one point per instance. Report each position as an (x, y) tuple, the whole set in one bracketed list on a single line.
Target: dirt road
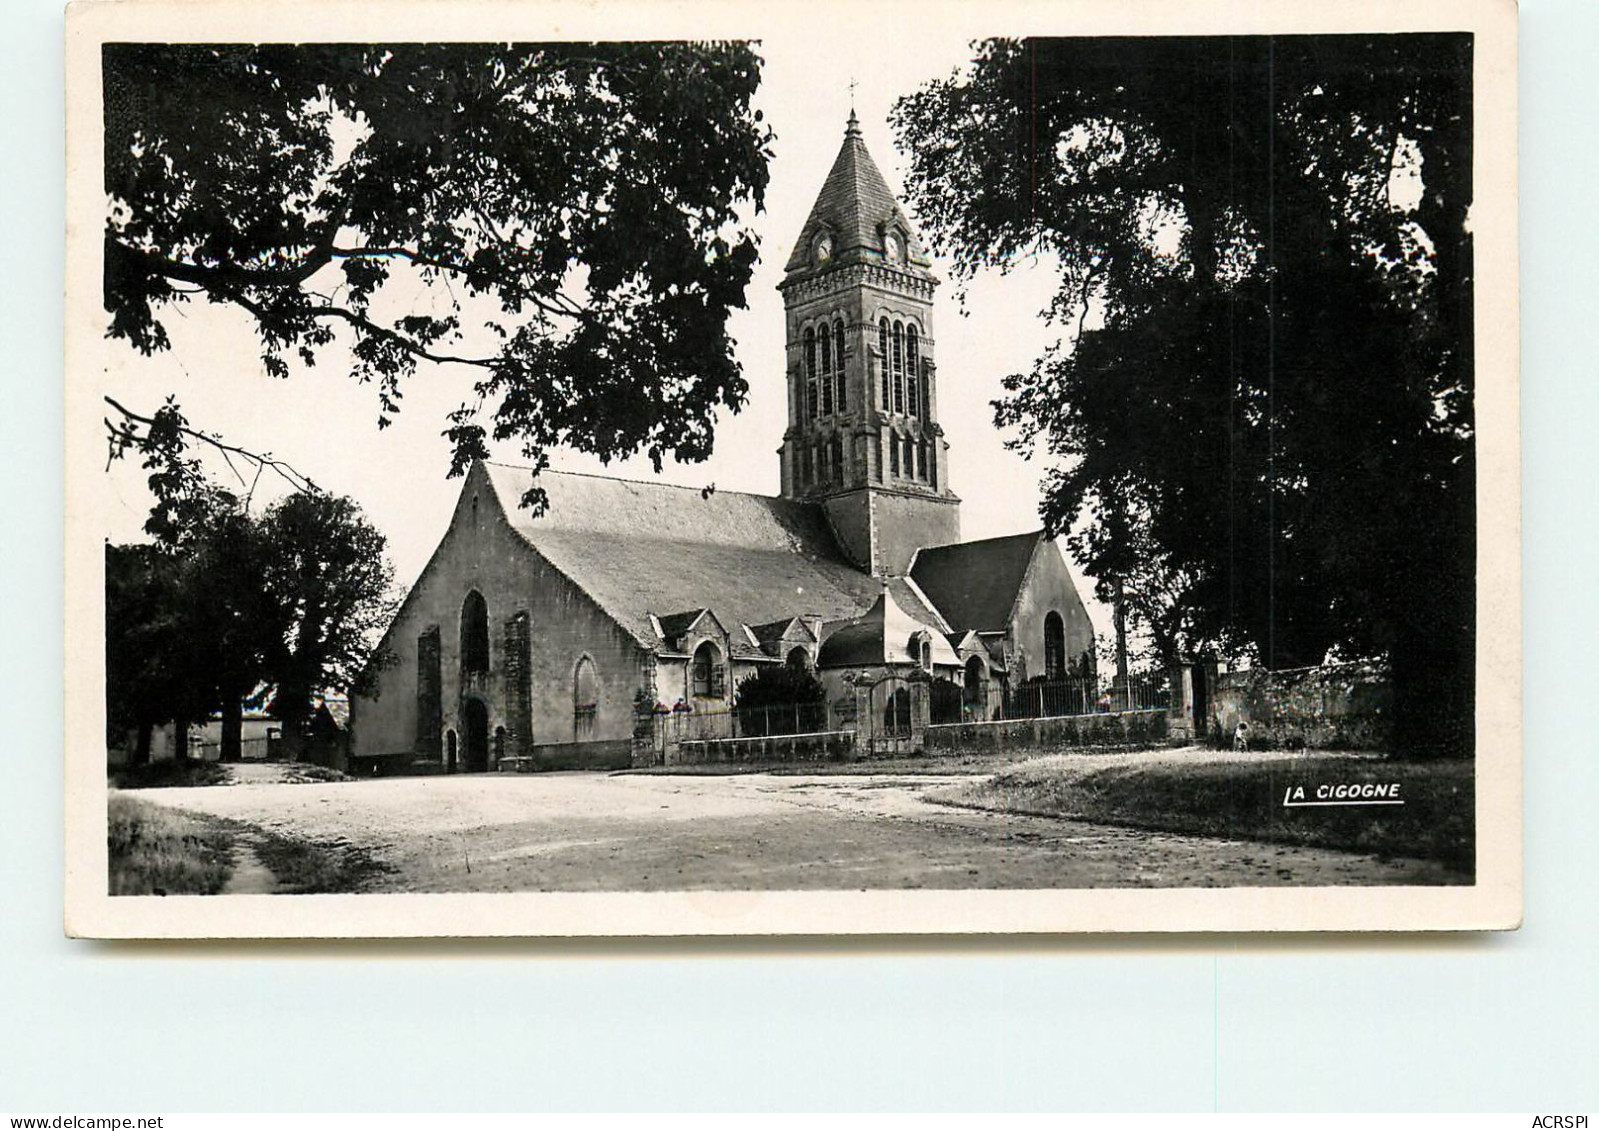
[(596, 832)]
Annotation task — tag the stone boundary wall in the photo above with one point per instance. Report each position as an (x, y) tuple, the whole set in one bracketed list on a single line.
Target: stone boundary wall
[(601, 754), (1346, 707), (821, 746), (1122, 728)]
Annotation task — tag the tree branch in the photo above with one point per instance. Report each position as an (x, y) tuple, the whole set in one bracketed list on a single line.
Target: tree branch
[(127, 433)]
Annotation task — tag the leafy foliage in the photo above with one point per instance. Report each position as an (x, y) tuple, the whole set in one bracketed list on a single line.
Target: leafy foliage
[(780, 699), (328, 586), (561, 221), (293, 598), (1259, 416)]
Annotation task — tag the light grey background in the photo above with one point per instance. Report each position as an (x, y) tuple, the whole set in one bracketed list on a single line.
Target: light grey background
[(1233, 1023)]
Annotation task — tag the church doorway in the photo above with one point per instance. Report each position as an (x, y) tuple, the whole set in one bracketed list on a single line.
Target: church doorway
[(475, 722), (975, 689)]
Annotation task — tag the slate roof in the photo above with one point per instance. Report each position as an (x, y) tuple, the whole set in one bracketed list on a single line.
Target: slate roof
[(640, 548), (974, 584), (854, 200), (882, 636), (674, 625)]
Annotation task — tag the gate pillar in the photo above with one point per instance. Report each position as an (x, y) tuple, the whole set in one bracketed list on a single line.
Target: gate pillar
[(921, 711)]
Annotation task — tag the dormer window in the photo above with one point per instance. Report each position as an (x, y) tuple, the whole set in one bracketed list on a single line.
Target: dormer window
[(893, 246), (823, 248)]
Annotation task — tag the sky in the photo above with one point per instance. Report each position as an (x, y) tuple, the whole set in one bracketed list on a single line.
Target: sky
[(324, 423)]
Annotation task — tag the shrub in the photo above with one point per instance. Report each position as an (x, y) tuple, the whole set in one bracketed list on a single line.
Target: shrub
[(780, 699)]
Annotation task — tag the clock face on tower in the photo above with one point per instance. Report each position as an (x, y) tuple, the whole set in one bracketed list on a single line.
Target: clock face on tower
[(891, 246), (824, 248)]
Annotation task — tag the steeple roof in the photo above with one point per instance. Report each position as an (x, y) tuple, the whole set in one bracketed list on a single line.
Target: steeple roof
[(856, 207)]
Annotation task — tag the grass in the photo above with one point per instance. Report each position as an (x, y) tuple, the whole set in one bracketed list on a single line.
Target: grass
[(306, 773), (155, 850), (1244, 799), (161, 775), (304, 867), (159, 851)]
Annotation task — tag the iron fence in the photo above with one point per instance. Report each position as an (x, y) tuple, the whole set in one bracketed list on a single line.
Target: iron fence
[(948, 702), (701, 723), (1045, 699)]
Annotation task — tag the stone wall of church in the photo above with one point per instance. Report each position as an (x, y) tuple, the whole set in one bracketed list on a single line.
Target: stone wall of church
[(903, 524), (1048, 588), (531, 694)]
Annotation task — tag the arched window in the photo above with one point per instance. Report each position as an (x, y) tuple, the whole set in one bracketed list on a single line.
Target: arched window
[(882, 350), (810, 373), (799, 659), (709, 679), (585, 686), (805, 466), (911, 370), (827, 372), (910, 458), (836, 448), (893, 454), (449, 752), (839, 396), (974, 678), (1054, 647), (474, 633), (808, 392), (899, 367), (585, 699)]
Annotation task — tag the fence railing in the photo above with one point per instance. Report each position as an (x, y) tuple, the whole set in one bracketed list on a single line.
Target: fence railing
[(699, 723), (948, 703), (1045, 699)]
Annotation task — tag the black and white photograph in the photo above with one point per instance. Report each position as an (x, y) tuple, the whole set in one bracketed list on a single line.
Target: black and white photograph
[(647, 476)]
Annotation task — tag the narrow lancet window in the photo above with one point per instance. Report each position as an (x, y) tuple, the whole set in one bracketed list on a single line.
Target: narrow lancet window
[(838, 366)]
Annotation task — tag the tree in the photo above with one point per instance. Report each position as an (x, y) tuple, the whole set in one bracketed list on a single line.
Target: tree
[(1261, 416), (229, 620), (572, 212), (328, 585), (235, 604), (146, 680)]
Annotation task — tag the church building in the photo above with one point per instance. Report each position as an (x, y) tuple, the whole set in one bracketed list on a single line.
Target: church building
[(541, 642)]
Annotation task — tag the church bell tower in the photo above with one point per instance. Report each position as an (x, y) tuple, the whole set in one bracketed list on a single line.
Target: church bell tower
[(863, 437)]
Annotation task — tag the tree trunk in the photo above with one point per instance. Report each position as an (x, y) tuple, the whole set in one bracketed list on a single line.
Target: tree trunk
[(1434, 684), (180, 739), (232, 728), (1121, 643), (141, 744)]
